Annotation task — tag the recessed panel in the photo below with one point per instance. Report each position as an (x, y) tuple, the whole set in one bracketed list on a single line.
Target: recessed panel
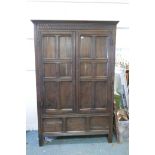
[(100, 94), (85, 46), (85, 94), (75, 124), (85, 69), (50, 70), (101, 47), (66, 95), (65, 47), (65, 69), (52, 125), (49, 47), (99, 123), (101, 69), (51, 94)]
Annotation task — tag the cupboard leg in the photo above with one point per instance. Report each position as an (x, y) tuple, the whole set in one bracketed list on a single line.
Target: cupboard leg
[(110, 134), (109, 138), (41, 140)]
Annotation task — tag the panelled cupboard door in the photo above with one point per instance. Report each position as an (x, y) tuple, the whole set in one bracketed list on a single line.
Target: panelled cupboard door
[(83, 87), (93, 71), (58, 54)]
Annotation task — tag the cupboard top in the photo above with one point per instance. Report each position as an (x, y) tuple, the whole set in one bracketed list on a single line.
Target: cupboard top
[(75, 22)]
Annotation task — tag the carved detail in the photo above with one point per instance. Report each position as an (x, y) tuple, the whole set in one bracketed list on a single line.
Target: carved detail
[(48, 26)]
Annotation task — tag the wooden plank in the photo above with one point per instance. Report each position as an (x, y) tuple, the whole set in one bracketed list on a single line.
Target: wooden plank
[(76, 133)]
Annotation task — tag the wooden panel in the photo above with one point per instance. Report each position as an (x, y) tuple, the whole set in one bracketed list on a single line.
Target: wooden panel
[(66, 95), (51, 94), (101, 47), (65, 69), (52, 125), (93, 63), (85, 46), (85, 95), (75, 124), (49, 47), (65, 46), (58, 94), (101, 69), (50, 70), (100, 94), (85, 69), (99, 123)]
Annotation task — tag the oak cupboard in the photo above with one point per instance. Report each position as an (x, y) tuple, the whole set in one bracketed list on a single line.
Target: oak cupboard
[(74, 77)]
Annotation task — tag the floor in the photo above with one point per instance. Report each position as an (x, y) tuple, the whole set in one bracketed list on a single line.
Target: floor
[(85, 145)]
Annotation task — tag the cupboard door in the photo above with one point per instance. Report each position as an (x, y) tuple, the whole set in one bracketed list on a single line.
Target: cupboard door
[(58, 53), (93, 71)]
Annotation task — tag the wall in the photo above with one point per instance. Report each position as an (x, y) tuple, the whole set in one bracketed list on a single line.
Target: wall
[(68, 10)]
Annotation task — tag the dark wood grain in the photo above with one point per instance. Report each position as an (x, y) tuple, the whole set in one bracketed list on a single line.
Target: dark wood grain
[(74, 77), (93, 95)]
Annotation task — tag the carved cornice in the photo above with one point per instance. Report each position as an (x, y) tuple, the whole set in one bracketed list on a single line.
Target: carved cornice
[(73, 25)]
